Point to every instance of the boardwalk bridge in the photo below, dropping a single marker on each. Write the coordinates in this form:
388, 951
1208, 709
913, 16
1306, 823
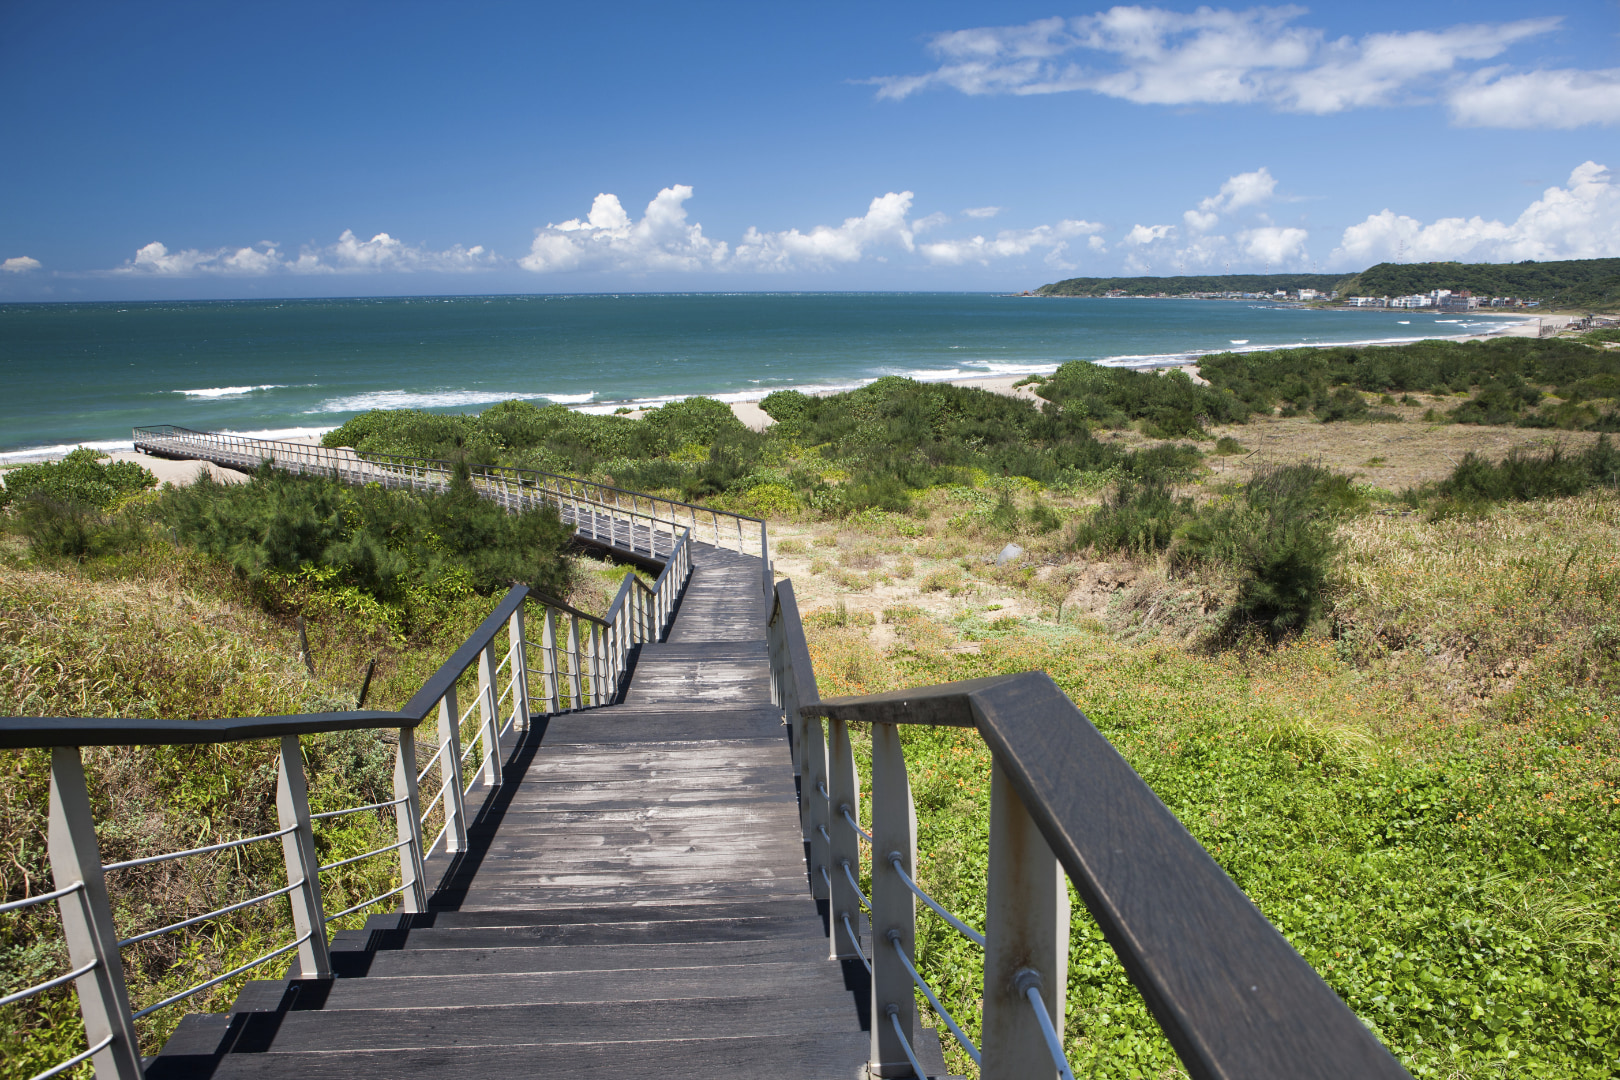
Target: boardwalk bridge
633, 845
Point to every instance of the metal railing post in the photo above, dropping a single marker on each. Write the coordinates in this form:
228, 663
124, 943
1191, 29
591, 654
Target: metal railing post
575, 683
303, 868
1026, 941
489, 709
765, 559
455, 814
812, 803
843, 789
894, 914
519, 674
599, 663
87, 922
408, 823
549, 680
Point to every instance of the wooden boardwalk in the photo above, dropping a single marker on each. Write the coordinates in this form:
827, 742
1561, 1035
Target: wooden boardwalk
634, 902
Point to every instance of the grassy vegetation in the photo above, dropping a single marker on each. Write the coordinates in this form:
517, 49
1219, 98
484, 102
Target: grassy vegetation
1422, 794
1555, 383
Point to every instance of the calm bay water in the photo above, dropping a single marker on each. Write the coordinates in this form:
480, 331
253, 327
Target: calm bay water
86, 373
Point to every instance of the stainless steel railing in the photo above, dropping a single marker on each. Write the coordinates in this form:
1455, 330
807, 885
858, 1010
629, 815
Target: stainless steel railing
580, 667
599, 513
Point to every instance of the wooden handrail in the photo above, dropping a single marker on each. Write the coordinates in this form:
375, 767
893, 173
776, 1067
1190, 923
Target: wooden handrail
1232, 995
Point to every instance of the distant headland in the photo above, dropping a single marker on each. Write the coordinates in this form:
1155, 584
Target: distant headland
1591, 284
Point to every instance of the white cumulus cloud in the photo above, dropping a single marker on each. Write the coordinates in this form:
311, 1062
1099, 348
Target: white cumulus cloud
1537, 99
1009, 243
1578, 221
884, 224
1196, 244
1244, 189
1148, 234
1259, 56
1274, 244
381, 254
19, 264
607, 239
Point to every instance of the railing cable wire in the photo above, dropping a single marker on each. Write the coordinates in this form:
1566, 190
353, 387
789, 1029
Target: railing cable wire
950, 1021
40, 988
855, 824
76, 1059
855, 940
194, 920
216, 980
1054, 1045
865, 903
367, 903
356, 809
961, 927
30, 901
197, 851
905, 1043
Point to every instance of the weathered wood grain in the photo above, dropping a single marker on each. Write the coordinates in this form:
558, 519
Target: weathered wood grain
634, 899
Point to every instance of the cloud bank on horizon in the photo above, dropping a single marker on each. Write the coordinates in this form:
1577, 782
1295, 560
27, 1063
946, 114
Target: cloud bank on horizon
1259, 56
1231, 227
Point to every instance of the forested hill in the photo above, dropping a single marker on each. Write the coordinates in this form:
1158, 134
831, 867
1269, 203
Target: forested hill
1574, 283
1175, 286
1570, 283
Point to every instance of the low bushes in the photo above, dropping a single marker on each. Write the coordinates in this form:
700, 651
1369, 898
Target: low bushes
1521, 475
78, 478
1276, 533
388, 543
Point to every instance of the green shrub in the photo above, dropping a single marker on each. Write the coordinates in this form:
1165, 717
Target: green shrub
1141, 518
1526, 475
1169, 406
74, 530
1510, 371
383, 541
80, 478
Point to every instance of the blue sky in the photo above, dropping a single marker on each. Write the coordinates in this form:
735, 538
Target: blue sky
208, 150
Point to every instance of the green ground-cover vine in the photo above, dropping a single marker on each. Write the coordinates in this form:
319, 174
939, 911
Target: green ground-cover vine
1457, 888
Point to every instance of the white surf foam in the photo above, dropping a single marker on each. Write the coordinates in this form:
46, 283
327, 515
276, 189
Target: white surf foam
48, 453
438, 399
229, 391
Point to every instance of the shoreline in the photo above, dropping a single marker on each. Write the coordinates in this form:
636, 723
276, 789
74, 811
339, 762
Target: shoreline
745, 404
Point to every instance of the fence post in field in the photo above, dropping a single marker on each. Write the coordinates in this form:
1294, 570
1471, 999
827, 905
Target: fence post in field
87, 923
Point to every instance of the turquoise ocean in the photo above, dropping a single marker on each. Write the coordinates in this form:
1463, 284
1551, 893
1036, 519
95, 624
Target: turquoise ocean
85, 373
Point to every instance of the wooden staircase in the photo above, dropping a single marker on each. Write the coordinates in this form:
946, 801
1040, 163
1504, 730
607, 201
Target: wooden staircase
634, 901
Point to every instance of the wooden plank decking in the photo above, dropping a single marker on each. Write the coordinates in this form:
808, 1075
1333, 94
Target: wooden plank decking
634, 902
